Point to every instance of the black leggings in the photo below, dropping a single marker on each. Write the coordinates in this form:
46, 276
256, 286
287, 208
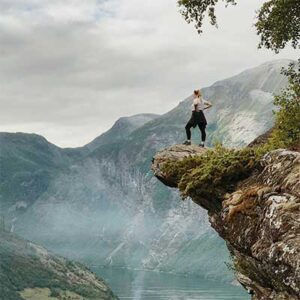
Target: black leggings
201, 126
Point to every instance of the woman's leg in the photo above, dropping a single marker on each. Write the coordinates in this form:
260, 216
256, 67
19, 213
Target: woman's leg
188, 127
202, 127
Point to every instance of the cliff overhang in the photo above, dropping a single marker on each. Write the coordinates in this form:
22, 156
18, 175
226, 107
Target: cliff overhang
258, 219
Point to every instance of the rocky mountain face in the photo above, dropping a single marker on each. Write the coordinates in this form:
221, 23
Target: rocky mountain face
29, 271
101, 204
259, 221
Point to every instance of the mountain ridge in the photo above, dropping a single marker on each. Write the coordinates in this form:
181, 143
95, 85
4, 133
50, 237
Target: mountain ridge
132, 221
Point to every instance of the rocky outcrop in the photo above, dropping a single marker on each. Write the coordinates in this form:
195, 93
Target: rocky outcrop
173, 154
260, 221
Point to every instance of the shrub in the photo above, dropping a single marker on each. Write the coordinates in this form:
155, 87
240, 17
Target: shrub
286, 133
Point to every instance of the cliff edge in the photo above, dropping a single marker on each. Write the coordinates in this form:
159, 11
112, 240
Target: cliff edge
257, 216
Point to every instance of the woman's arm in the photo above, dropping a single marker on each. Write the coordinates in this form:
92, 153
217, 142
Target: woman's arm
208, 104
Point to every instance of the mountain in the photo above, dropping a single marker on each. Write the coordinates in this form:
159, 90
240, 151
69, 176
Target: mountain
121, 129
28, 162
102, 205
29, 271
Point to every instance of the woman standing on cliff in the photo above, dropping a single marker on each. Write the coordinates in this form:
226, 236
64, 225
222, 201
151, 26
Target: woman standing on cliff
197, 118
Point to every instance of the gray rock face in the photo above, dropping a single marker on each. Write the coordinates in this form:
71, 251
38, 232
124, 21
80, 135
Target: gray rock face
260, 224
174, 153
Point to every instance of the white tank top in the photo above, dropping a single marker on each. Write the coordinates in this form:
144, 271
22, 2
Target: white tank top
200, 102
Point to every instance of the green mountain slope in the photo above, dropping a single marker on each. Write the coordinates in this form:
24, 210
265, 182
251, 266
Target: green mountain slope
28, 271
28, 162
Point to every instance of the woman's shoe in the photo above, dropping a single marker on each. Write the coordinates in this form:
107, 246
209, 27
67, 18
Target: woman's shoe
188, 143
201, 145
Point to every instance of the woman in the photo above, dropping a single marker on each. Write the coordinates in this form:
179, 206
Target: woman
198, 118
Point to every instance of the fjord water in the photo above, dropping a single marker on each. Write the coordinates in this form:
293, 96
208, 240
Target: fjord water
143, 285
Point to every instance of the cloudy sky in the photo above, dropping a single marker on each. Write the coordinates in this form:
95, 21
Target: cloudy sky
70, 68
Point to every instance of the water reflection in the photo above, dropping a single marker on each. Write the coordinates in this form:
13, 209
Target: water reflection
141, 285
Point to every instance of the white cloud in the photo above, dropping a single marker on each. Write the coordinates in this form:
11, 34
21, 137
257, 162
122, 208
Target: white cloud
76, 66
